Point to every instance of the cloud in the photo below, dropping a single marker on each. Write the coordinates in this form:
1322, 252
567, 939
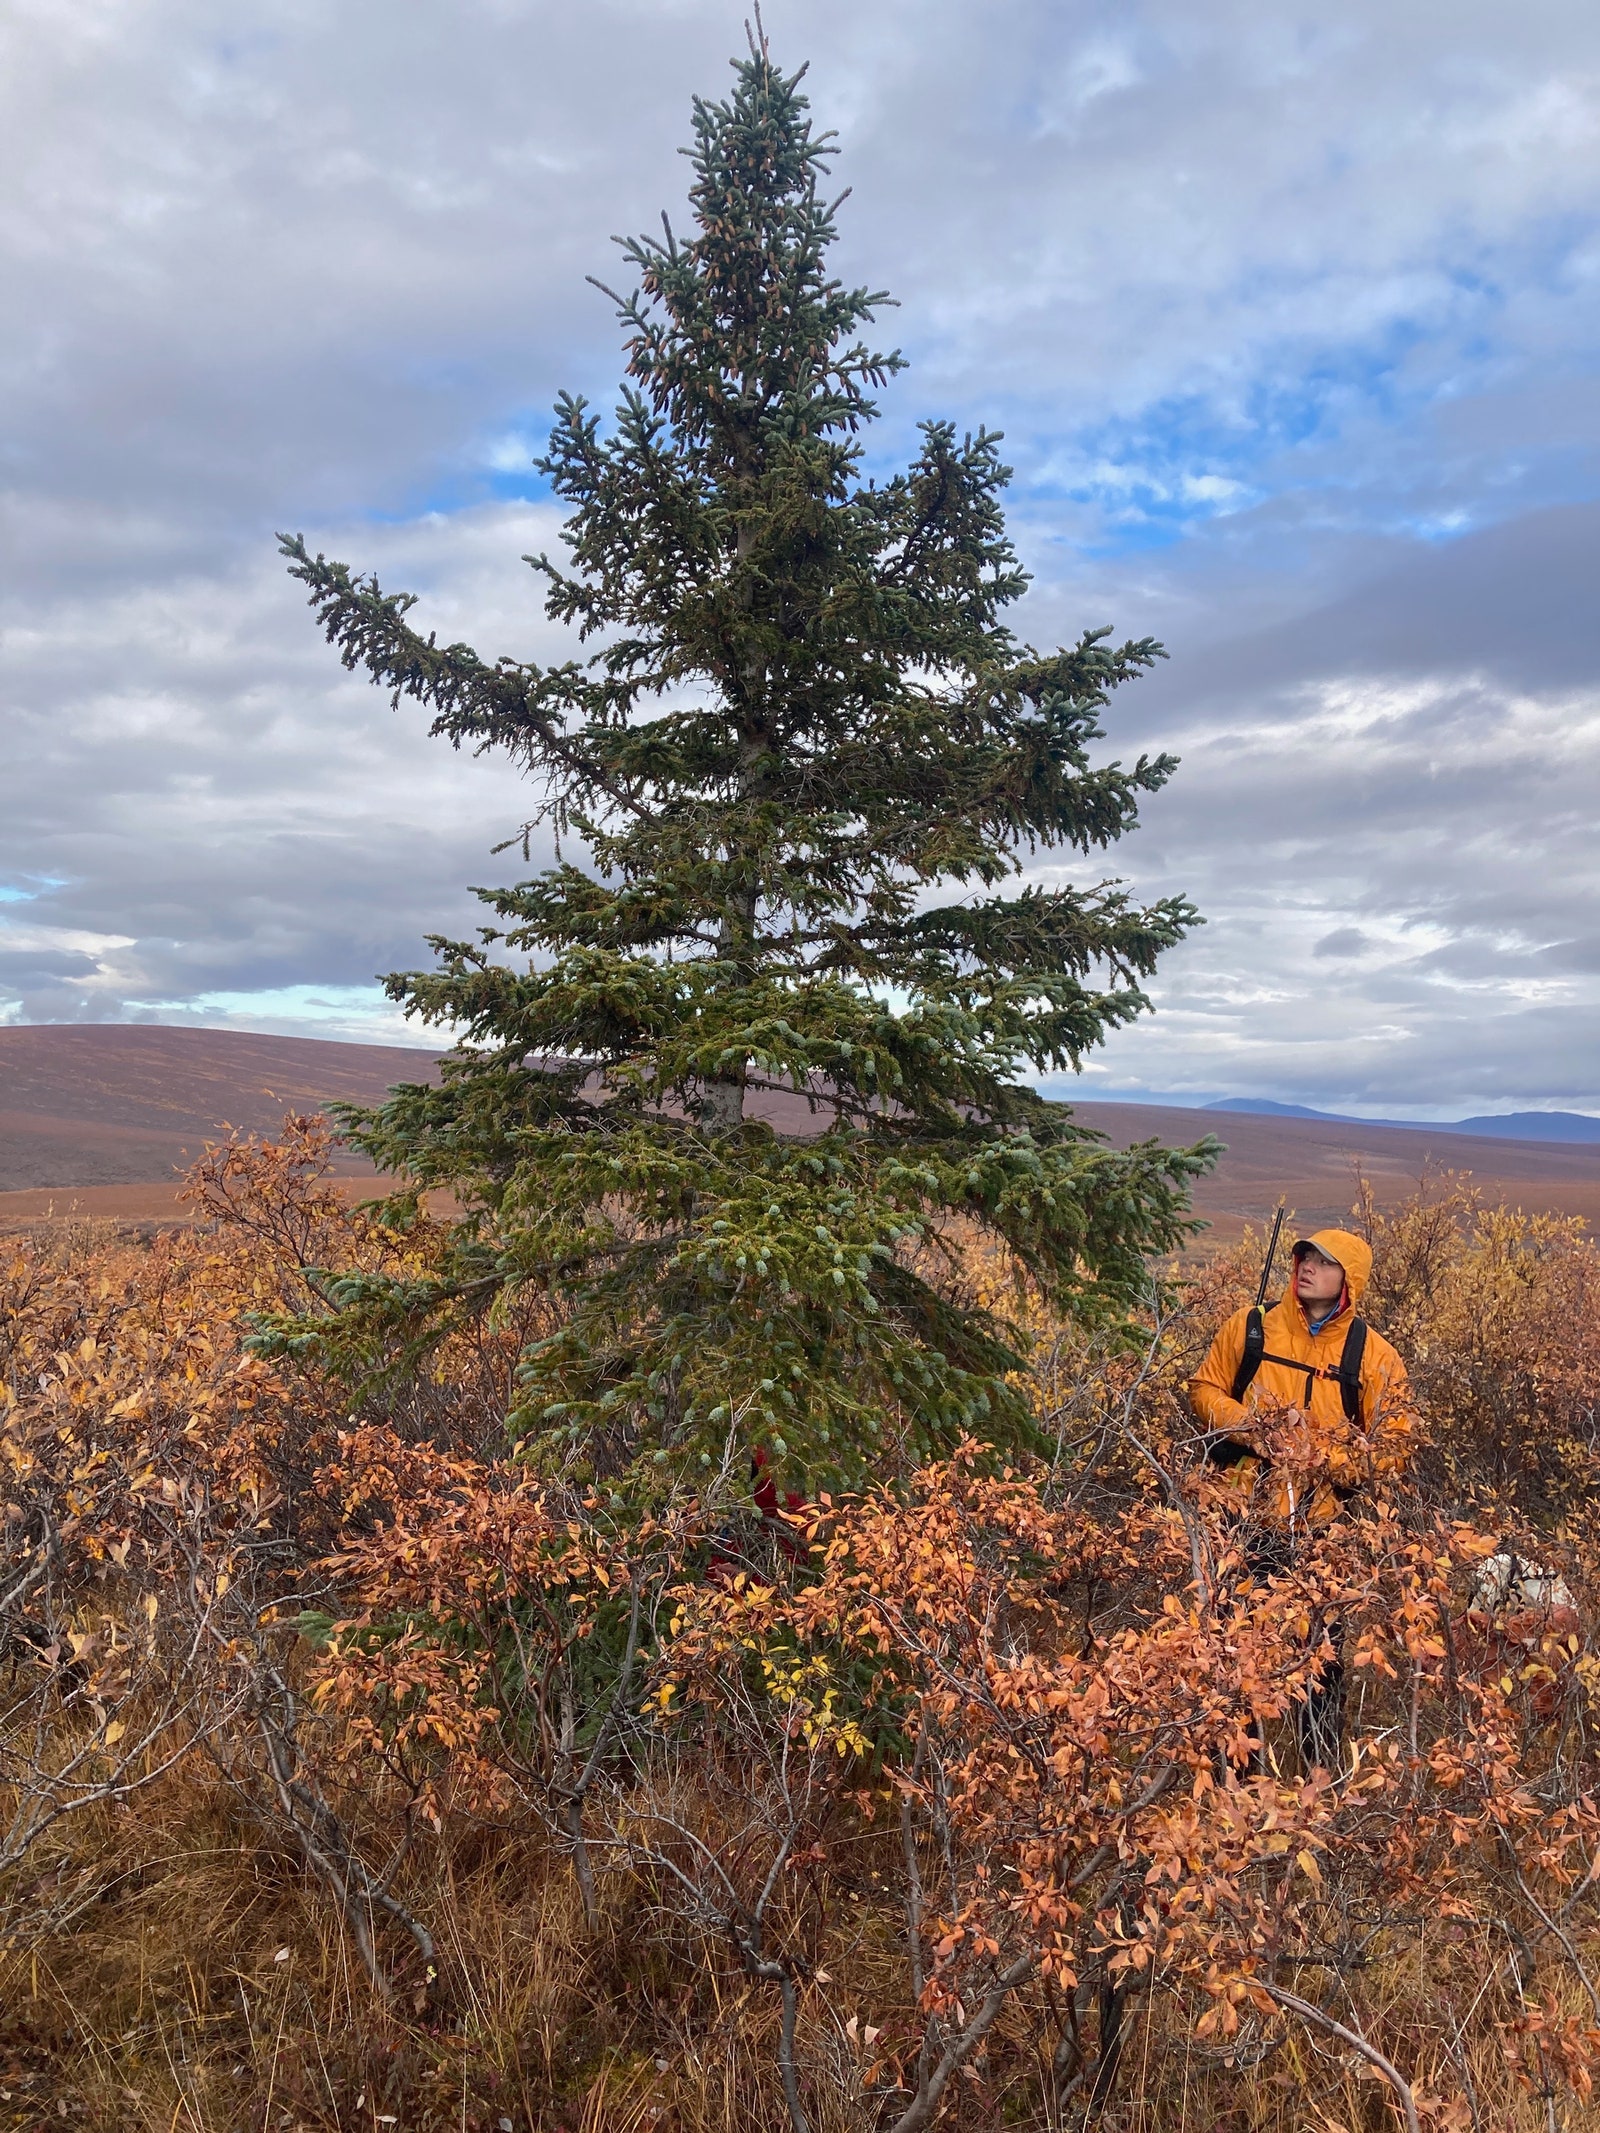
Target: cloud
1401, 877
1345, 941
1289, 316
196, 771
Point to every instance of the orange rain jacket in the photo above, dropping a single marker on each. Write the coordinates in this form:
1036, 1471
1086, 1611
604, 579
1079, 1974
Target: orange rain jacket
1379, 1444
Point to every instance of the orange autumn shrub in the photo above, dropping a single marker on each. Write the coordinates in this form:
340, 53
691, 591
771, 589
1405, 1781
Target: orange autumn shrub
1499, 1313
149, 1462
161, 1528
1100, 1791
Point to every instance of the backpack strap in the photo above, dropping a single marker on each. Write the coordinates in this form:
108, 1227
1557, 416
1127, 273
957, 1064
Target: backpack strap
1255, 1348
1222, 1450
1348, 1372
1355, 1348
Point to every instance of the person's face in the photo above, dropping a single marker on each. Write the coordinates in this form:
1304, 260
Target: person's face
1317, 1280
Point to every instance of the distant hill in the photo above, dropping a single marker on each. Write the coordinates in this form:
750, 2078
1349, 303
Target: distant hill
1534, 1126
1312, 1163
1570, 1126
103, 1118
1264, 1107
113, 1104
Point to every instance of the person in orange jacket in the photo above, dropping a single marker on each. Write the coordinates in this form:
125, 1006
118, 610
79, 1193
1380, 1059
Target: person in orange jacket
1312, 1353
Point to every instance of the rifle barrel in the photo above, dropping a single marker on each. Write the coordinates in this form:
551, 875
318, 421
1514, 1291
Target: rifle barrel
1272, 1253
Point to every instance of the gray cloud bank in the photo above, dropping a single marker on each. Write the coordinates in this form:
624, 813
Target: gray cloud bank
1290, 318
1387, 809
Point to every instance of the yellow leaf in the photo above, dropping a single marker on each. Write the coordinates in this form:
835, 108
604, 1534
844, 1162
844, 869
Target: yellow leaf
1307, 1863
115, 1731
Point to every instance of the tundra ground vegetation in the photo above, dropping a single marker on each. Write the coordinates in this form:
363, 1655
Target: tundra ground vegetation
353, 1772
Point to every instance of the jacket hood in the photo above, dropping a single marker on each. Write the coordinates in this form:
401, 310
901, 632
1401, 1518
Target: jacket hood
1353, 1253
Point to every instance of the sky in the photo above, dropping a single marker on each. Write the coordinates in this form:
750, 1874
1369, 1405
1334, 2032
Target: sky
1291, 318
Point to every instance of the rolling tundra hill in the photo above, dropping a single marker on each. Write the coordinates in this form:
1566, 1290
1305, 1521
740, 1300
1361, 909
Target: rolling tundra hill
1500, 1125
110, 1107
1312, 1163
102, 1119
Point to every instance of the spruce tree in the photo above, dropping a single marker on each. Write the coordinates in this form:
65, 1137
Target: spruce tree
789, 781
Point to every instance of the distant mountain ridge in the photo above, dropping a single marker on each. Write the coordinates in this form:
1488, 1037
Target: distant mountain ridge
1565, 1126
1264, 1107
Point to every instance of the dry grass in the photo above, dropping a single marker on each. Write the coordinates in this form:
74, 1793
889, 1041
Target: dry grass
211, 1990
